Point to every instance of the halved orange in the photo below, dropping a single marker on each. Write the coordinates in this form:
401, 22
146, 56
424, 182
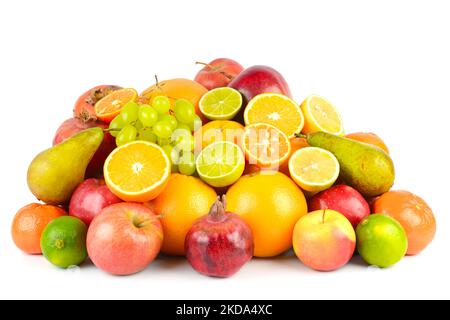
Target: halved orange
277, 110
107, 108
265, 145
137, 171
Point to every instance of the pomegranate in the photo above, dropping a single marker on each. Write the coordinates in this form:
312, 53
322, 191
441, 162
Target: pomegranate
220, 243
71, 127
84, 107
89, 198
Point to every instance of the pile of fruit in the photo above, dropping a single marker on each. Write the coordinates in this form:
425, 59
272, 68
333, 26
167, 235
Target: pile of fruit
219, 169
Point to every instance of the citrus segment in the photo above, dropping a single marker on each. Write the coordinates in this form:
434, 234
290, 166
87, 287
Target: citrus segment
265, 145
220, 103
314, 169
107, 108
220, 164
137, 171
277, 110
321, 115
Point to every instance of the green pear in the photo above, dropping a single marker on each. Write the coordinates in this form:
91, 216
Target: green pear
367, 168
54, 173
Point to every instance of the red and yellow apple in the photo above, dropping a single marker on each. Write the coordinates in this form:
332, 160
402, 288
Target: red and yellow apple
124, 238
324, 240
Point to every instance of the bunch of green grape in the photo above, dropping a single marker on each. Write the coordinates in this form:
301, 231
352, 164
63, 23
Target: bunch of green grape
156, 123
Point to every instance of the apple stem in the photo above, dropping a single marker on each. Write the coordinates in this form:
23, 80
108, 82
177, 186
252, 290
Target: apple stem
323, 215
227, 75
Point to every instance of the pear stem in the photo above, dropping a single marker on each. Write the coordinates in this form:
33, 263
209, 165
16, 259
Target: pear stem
300, 135
227, 75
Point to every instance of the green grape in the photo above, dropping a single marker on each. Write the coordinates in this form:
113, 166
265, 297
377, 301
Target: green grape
196, 124
161, 104
184, 143
173, 155
116, 123
182, 126
163, 141
129, 112
171, 119
147, 134
187, 164
138, 125
184, 111
147, 115
163, 129
127, 134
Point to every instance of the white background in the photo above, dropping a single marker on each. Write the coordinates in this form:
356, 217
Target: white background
384, 64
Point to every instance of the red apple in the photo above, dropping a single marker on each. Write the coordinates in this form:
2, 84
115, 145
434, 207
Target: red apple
84, 106
324, 240
343, 199
89, 198
71, 127
218, 73
220, 243
124, 238
260, 79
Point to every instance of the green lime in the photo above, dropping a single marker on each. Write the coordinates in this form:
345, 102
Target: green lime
381, 240
63, 242
221, 103
220, 164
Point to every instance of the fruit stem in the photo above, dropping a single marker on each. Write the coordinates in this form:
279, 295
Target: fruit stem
300, 135
111, 129
218, 208
227, 75
323, 215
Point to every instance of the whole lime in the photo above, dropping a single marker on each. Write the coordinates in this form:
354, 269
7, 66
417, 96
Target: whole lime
381, 240
63, 241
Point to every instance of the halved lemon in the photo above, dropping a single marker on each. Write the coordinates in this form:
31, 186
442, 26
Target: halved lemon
314, 169
220, 164
321, 115
220, 103
265, 145
277, 110
137, 171
107, 108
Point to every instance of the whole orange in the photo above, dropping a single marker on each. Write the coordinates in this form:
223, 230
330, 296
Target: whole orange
271, 204
370, 138
219, 130
296, 143
184, 200
28, 224
414, 215
176, 89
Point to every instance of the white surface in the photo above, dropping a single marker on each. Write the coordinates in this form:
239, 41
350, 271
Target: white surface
385, 65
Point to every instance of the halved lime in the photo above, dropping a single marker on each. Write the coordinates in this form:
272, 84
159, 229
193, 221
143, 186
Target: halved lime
220, 103
220, 164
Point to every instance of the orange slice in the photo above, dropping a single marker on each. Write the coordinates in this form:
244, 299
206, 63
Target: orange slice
137, 171
277, 110
107, 108
265, 145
